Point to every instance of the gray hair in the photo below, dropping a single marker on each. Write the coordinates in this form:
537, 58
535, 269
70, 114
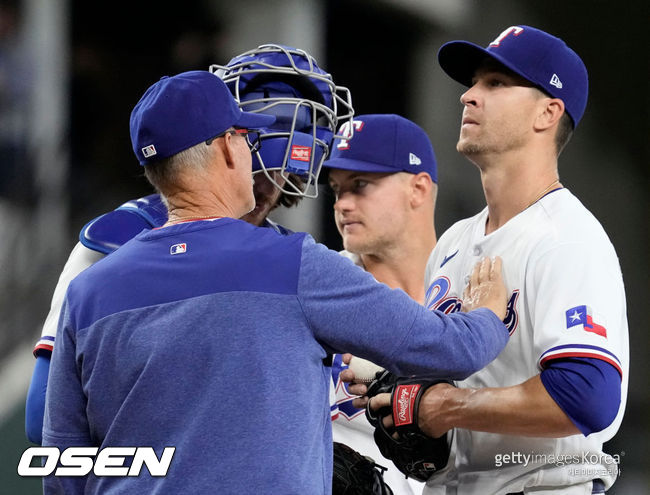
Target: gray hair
166, 175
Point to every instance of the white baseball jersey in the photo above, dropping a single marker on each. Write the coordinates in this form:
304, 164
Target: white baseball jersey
566, 299
80, 258
353, 429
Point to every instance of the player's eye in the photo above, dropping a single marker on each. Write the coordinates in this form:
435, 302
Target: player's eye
359, 184
496, 82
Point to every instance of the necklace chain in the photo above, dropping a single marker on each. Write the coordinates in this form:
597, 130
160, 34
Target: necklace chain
541, 195
188, 219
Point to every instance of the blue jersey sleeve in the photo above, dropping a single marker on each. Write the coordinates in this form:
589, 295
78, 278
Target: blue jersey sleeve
65, 419
349, 311
588, 390
35, 403
65, 423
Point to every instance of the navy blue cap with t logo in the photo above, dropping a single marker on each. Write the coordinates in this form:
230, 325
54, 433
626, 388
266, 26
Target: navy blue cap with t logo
538, 57
384, 143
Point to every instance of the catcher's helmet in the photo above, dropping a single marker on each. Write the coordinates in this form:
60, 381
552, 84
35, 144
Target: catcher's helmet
286, 82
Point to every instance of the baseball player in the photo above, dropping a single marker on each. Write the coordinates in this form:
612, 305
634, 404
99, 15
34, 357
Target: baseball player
385, 184
535, 419
209, 288
271, 79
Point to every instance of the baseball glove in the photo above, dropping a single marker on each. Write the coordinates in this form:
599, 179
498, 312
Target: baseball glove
355, 474
415, 454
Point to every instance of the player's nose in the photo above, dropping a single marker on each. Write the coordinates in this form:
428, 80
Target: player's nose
470, 97
344, 202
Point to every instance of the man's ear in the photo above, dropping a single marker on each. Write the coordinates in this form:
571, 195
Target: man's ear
228, 149
421, 185
551, 111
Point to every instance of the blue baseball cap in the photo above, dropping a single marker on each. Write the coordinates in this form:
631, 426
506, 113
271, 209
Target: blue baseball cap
542, 59
383, 143
179, 112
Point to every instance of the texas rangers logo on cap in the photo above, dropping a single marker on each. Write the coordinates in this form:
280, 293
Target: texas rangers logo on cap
514, 30
348, 131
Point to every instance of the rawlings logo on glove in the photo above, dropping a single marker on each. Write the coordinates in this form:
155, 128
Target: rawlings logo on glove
415, 454
403, 413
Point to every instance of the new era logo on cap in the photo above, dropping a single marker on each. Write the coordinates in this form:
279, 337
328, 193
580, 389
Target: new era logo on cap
414, 160
555, 81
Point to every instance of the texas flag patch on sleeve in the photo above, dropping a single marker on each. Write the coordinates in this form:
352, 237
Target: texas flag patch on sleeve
582, 315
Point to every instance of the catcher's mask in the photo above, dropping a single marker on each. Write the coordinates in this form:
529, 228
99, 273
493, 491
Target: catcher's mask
286, 82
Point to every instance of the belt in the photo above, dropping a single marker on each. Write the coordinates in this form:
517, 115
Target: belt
599, 487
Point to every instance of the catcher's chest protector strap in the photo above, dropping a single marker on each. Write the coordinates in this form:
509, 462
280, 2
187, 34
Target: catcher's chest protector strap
109, 231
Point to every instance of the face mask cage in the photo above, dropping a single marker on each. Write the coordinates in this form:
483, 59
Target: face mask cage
308, 106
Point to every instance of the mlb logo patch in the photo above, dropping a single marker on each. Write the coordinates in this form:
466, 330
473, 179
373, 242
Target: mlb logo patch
148, 151
178, 248
582, 315
301, 153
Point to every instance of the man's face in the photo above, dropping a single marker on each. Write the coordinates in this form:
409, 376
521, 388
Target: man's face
499, 111
266, 196
370, 209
